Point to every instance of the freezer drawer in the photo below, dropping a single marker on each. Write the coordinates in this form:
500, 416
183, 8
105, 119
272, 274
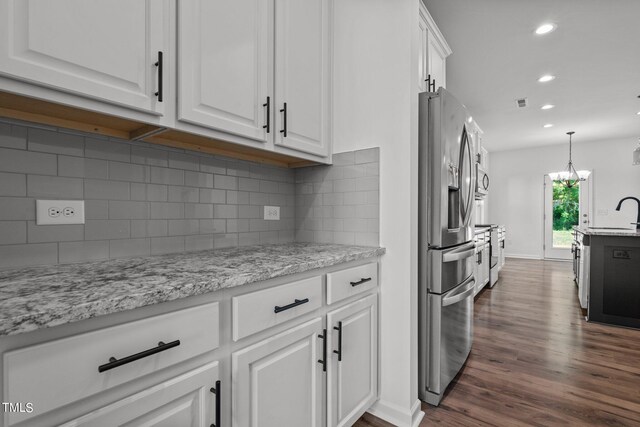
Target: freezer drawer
450, 337
450, 267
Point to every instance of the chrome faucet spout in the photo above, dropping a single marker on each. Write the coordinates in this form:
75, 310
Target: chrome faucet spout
637, 201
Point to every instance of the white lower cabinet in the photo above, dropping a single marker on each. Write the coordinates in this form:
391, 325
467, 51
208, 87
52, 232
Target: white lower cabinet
352, 369
278, 382
265, 355
186, 401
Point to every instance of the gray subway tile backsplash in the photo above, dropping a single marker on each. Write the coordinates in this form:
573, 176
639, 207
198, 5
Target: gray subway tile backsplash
55, 142
340, 203
143, 199
21, 161
13, 136
83, 251
13, 184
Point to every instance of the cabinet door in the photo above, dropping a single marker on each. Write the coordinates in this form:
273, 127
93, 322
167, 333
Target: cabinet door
186, 400
422, 53
486, 265
302, 46
436, 60
224, 68
278, 382
352, 380
478, 271
106, 50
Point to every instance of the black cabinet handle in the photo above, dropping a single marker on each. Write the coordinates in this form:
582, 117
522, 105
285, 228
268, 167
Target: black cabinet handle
479, 258
431, 83
159, 65
114, 363
360, 282
268, 105
323, 361
216, 390
284, 110
295, 303
339, 350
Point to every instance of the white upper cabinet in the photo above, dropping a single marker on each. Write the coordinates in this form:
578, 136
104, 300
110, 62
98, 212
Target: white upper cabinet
257, 69
104, 50
224, 68
302, 46
433, 53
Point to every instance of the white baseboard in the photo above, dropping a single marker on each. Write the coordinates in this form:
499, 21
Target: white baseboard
523, 256
396, 415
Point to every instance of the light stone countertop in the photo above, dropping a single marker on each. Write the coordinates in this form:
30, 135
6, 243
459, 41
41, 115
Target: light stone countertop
40, 297
631, 232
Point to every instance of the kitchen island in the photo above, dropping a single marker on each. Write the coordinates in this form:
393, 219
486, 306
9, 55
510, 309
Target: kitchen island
611, 260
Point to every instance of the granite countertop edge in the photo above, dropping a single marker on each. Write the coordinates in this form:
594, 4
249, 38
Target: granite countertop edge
607, 232
22, 311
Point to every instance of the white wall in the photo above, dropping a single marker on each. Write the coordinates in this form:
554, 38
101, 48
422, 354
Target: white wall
517, 193
375, 105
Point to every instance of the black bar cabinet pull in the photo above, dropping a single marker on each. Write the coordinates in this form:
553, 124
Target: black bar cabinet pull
284, 110
339, 350
323, 361
159, 65
433, 84
114, 363
268, 105
360, 282
216, 390
295, 303
428, 80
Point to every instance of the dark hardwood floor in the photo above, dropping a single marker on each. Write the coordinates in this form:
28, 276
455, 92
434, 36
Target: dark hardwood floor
536, 361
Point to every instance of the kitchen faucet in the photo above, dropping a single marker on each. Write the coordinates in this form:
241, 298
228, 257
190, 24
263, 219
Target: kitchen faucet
637, 200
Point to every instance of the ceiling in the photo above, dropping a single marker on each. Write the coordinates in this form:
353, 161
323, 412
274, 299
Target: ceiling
594, 54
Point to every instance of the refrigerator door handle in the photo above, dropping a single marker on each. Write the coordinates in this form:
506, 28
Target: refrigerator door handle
464, 251
466, 290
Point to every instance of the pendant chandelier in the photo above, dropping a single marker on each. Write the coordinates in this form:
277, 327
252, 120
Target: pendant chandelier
569, 176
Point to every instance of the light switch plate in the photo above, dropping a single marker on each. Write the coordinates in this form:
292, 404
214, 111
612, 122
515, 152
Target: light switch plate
272, 213
55, 212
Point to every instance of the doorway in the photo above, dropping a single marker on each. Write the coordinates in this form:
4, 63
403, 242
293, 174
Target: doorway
564, 208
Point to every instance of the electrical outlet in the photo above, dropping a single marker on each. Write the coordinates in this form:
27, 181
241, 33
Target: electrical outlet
53, 212
272, 213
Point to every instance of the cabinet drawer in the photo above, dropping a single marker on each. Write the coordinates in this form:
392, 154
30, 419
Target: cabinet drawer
260, 310
181, 401
60, 372
342, 284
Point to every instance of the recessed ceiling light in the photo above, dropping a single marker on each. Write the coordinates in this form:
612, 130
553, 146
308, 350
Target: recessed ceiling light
546, 78
548, 125
545, 28
638, 113
547, 107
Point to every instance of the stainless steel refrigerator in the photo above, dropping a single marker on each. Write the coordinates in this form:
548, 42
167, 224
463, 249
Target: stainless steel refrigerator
446, 246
